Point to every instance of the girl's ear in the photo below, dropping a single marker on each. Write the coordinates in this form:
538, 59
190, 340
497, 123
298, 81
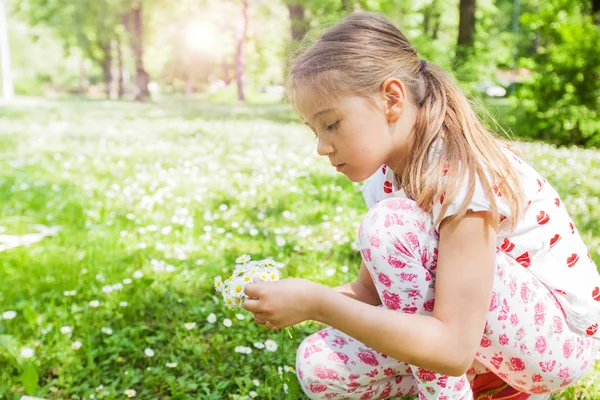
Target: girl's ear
394, 95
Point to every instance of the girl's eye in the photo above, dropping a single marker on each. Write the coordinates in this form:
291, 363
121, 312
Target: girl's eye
332, 126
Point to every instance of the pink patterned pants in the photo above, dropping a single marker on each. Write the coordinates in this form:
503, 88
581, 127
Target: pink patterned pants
526, 340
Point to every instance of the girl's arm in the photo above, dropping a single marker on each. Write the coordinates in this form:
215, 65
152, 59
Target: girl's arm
362, 289
447, 341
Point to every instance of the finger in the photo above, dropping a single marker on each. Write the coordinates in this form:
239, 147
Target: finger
256, 278
259, 321
252, 290
252, 305
270, 325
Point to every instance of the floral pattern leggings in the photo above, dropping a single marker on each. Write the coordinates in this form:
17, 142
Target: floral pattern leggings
526, 340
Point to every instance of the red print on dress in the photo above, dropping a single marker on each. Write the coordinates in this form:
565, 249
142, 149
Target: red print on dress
592, 329
596, 293
554, 240
524, 260
542, 218
572, 260
387, 187
507, 246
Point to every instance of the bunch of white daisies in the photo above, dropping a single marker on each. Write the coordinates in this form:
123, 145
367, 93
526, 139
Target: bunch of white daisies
232, 288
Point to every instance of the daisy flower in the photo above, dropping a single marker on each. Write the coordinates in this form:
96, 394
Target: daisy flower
149, 352
26, 352
9, 315
212, 318
130, 393
65, 330
243, 259
271, 345
259, 345
189, 325
106, 330
94, 303
76, 345
219, 284
171, 364
227, 322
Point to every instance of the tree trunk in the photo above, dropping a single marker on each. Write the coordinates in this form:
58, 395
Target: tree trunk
120, 84
297, 21
240, 62
596, 11
466, 30
8, 90
133, 24
84, 82
106, 64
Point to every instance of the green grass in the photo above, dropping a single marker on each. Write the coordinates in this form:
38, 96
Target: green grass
175, 191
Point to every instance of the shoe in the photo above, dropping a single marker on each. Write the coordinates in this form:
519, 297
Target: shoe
490, 386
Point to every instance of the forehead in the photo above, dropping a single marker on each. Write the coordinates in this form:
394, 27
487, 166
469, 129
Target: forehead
309, 101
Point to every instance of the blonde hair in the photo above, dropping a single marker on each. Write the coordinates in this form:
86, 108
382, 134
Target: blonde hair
356, 56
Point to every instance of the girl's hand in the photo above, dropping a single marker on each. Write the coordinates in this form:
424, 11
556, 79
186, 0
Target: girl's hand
279, 304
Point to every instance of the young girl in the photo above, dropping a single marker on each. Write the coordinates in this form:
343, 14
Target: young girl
471, 262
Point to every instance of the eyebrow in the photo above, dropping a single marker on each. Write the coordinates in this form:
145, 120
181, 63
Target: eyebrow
326, 110
323, 111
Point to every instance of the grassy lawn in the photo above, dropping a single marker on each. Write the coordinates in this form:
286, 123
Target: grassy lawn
116, 217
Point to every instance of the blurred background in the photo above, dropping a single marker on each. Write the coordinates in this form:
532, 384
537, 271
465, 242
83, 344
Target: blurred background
542, 54
145, 145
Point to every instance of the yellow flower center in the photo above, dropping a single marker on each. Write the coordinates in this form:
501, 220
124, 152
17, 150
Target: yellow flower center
238, 288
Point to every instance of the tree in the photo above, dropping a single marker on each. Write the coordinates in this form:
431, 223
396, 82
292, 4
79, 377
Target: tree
133, 22
240, 61
87, 24
466, 31
8, 90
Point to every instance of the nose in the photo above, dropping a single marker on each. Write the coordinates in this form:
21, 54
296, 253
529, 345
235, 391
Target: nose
324, 147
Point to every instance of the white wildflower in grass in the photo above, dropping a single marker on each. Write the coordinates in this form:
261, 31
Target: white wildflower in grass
130, 393
259, 345
94, 303
287, 368
241, 317
138, 274
106, 330
227, 322
189, 325
149, 352
76, 345
9, 315
252, 394
99, 388
65, 330
26, 352
256, 382
171, 364
285, 388
232, 289
127, 281
212, 318
107, 289
123, 304
243, 349
70, 292
271, 345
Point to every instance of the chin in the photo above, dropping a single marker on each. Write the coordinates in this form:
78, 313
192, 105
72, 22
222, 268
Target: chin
358, 176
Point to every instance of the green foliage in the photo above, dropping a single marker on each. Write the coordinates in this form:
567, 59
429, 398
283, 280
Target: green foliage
560, 102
